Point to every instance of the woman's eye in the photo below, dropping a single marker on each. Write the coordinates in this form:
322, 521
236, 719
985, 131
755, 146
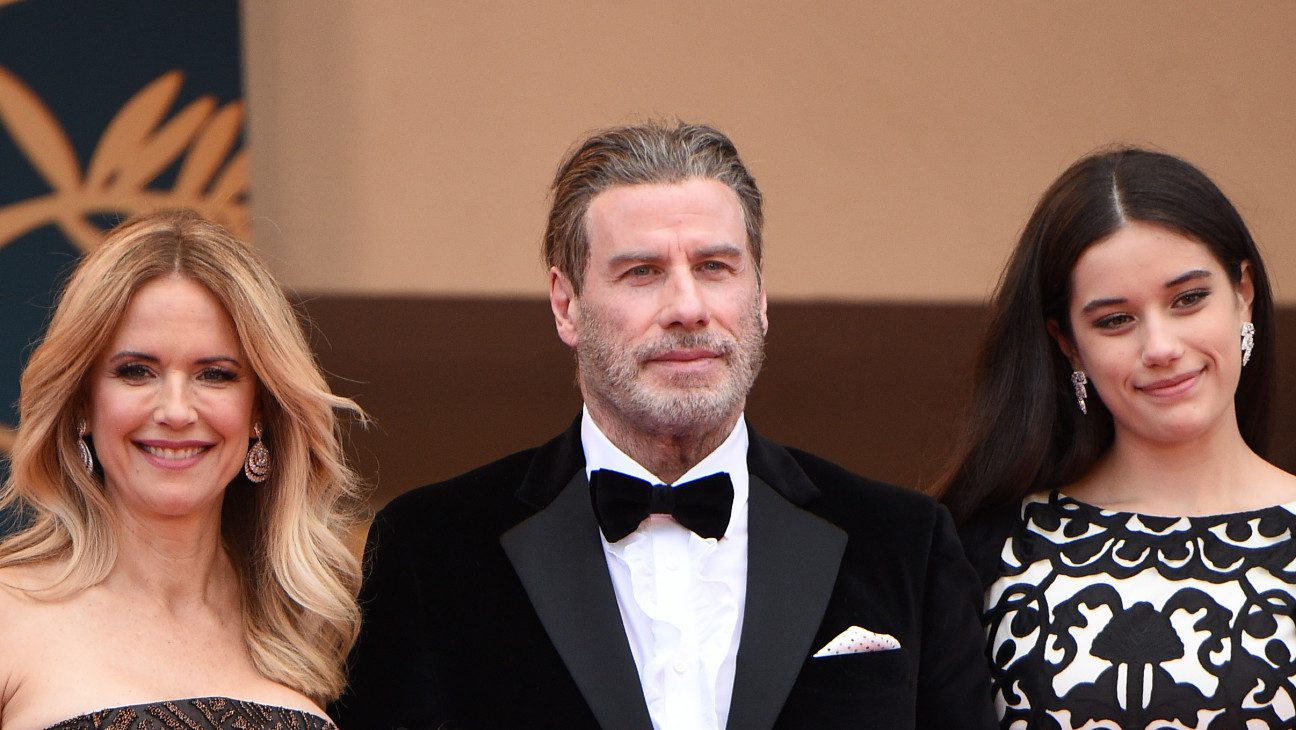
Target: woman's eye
1189, 298
1113, 321
218, 375
131, 371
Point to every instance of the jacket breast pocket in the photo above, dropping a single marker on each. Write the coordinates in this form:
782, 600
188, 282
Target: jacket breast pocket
872, 689
888, 668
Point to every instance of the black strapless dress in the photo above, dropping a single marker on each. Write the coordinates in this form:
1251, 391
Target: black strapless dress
204, 713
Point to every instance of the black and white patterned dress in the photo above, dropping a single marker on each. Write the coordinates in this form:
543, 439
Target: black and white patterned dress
1102, 619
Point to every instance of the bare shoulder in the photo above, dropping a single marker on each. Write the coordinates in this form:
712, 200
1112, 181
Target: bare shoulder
23, 584
16, 585
19, 612
25, 614
20, 592
1279, 485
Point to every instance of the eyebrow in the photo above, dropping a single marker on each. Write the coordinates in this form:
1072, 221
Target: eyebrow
634, 257
1188, 276
648, 257
1178, 280
719, 249
136, 355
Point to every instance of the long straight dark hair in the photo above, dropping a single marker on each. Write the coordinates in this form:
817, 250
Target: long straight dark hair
1023, 432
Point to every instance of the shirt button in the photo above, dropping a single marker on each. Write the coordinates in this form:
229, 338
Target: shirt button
680, 667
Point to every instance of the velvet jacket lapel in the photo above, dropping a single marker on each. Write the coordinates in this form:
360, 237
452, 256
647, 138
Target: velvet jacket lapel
792, 563
559, 559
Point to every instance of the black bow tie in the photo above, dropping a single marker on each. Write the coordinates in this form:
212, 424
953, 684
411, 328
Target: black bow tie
621, 502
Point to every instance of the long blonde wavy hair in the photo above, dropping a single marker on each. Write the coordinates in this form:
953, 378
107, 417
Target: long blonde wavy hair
287, 536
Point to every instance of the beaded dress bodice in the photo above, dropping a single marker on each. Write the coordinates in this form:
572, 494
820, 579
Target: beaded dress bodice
205, 713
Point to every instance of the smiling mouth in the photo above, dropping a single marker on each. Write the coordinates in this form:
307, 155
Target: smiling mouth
1172, 386
172, 454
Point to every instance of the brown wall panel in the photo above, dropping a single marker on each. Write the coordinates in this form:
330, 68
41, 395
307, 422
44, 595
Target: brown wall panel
454, 383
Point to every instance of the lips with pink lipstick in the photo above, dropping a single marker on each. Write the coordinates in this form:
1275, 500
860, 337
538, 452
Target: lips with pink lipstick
172, 454
1172, 386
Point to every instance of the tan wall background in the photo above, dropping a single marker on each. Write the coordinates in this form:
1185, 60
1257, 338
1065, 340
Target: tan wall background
402, 151
404, 147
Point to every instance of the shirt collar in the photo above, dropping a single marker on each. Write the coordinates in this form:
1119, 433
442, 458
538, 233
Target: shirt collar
730, 456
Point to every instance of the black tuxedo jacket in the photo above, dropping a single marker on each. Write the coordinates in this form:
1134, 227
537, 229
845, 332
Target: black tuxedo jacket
488, 604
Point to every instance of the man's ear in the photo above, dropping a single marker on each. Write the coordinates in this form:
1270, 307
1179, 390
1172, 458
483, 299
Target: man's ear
566, 310
1065, 344
764, 312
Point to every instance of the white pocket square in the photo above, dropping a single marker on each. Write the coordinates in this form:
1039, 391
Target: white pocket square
856, 640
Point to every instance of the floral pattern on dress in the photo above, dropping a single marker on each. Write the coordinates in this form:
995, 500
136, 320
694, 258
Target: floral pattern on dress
1115, 620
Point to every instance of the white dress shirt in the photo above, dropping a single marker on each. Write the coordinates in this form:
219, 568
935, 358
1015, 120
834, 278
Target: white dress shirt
681, 596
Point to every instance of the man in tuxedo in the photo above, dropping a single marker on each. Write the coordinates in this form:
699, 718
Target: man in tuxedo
660, 564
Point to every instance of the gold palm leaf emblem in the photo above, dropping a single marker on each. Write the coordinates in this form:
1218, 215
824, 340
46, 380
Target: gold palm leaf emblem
135, 148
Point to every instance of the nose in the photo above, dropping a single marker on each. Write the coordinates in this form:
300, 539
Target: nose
1161, 345
175, 406
684, 303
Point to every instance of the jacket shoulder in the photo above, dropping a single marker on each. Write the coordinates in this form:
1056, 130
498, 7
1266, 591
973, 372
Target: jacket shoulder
483, 488
840, 485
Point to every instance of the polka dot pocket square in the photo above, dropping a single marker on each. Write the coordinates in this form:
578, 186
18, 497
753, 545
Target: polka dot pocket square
856, 640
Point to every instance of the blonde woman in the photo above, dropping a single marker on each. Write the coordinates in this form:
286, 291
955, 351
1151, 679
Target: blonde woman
185, 500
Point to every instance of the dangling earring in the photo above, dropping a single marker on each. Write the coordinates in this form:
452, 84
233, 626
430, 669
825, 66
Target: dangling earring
1079, 379
86, 457
257, 466
1248, 342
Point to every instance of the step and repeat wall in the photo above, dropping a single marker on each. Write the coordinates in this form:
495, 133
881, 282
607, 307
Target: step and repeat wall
107, 109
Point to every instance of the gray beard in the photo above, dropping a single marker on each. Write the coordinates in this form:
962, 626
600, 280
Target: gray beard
612, 374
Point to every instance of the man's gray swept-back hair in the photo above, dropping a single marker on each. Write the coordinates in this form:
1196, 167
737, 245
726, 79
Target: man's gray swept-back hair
649, 153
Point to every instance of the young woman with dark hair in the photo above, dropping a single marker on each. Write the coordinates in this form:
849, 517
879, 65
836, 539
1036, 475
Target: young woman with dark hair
1136, 549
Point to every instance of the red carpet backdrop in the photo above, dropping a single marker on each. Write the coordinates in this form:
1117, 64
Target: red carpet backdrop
107, 109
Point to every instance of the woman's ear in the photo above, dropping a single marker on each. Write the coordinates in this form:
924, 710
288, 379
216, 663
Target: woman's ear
1065, 344
256, 409
1245, 289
